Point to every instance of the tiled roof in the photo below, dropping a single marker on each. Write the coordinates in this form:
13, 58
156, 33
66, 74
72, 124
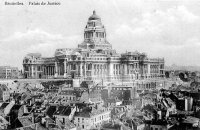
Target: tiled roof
159, 122
63, 110
3, 120
25, 120
69, 124
67, 92
50, 111
28, 128
40, 127
4, 105
3, 87
89, 111
16, 107
150, 108
111, 126
137, 121
111, 100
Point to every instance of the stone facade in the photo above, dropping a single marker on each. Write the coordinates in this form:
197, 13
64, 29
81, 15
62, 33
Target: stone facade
93, 60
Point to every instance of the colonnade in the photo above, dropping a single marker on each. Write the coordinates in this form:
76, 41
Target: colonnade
68, 67
49, 70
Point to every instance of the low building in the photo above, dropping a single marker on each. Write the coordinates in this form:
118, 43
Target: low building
148, 98
8, 72
134, 123
68, 95
110, 126
157, 125
4, 93
91, 117
64, 114
3, 123
122, 92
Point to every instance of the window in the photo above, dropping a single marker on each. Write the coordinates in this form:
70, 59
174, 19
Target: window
78, 119
83, 126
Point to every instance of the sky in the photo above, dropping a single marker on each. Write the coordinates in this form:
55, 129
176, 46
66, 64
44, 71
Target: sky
167, 29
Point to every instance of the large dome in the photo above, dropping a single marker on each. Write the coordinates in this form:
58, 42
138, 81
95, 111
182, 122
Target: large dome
94, 16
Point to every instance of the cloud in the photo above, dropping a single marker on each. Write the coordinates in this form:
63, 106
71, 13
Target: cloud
172, 33
28, 39
160, 23
16, 46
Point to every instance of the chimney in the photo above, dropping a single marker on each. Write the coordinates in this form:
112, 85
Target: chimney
47, 123
32, 115
159, 114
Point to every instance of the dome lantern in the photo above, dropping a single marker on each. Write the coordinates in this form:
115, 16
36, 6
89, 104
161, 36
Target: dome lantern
94, 16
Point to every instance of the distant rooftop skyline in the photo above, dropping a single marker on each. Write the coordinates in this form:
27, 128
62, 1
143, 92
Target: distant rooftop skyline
169, 29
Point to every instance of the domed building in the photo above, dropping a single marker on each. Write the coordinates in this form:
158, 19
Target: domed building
94, 60
95, 35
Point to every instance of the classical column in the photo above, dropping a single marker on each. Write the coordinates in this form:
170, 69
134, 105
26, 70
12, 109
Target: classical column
29, 71
65, 69
110, 71
32, 76
69, 68
44, 73
53, 71
81, 69
56, 70
48, 71
85, 66
101, 70
36, 69
149, 69
51, 68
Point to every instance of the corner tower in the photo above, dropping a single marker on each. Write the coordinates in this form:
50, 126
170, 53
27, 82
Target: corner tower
95, 34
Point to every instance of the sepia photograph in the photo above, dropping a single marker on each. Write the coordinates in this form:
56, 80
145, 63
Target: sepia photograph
99, 65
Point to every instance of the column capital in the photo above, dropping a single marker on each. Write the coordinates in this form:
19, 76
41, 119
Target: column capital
65, 68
